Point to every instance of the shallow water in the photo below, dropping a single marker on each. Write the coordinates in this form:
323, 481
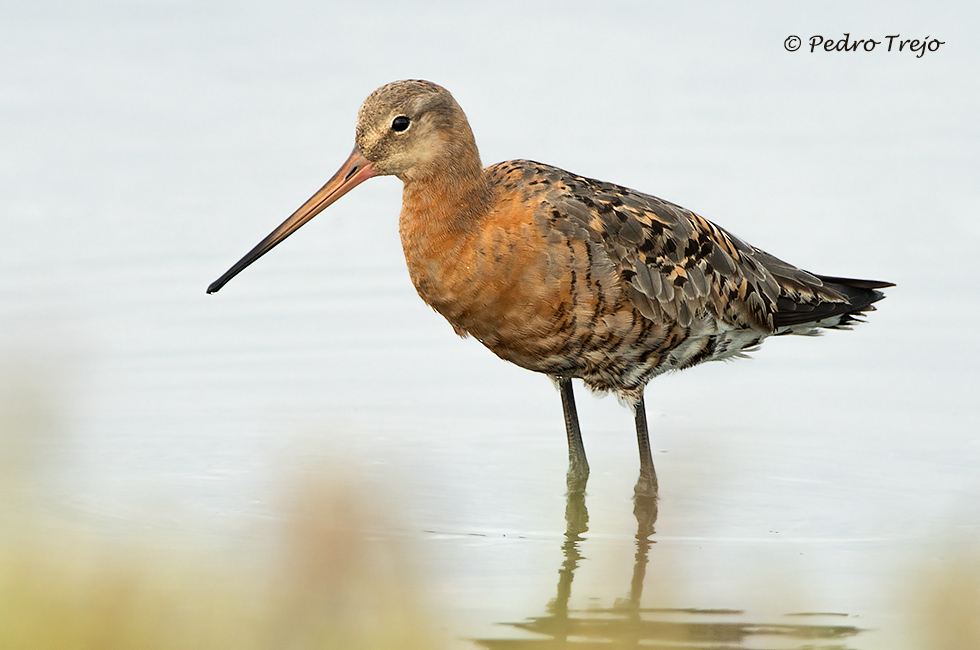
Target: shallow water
148, 148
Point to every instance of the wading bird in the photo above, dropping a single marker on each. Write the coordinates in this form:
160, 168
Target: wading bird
565, 275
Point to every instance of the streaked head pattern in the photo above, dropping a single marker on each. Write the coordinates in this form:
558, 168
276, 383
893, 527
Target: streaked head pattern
412, 129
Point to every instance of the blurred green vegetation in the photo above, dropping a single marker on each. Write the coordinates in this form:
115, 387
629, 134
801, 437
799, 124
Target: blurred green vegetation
327, 587
324, 585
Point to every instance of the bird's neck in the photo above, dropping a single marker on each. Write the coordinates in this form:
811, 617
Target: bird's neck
447, 200
440, 222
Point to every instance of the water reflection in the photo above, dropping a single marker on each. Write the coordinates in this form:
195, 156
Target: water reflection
577, 523
627, 625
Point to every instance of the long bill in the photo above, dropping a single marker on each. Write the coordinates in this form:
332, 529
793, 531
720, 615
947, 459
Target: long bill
352, 173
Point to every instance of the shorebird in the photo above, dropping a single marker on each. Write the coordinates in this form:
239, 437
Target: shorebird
565, 275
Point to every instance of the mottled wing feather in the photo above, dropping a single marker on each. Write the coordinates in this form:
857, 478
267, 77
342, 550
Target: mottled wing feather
677, 265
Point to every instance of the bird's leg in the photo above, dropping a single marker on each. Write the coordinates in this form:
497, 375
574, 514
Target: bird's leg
578, 466
646, 485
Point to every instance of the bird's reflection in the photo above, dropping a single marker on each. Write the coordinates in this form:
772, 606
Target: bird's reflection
576, 524
628, 625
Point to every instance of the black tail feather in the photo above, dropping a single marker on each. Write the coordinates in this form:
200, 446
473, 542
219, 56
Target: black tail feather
858, 296
858, 284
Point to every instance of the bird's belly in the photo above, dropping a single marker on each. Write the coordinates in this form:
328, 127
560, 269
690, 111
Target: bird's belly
599, 337
621, 354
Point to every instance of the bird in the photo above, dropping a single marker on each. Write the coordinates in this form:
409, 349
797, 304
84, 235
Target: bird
565, 275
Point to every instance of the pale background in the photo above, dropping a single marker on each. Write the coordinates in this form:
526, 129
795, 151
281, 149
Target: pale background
144, 147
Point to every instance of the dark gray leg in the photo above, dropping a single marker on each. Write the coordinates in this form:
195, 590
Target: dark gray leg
578, 466
646, 485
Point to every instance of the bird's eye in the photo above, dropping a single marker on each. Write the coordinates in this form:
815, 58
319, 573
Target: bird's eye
400, 123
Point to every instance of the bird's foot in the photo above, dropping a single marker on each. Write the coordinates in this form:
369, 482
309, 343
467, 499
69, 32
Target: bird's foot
577, 477
645, 503
646, 487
